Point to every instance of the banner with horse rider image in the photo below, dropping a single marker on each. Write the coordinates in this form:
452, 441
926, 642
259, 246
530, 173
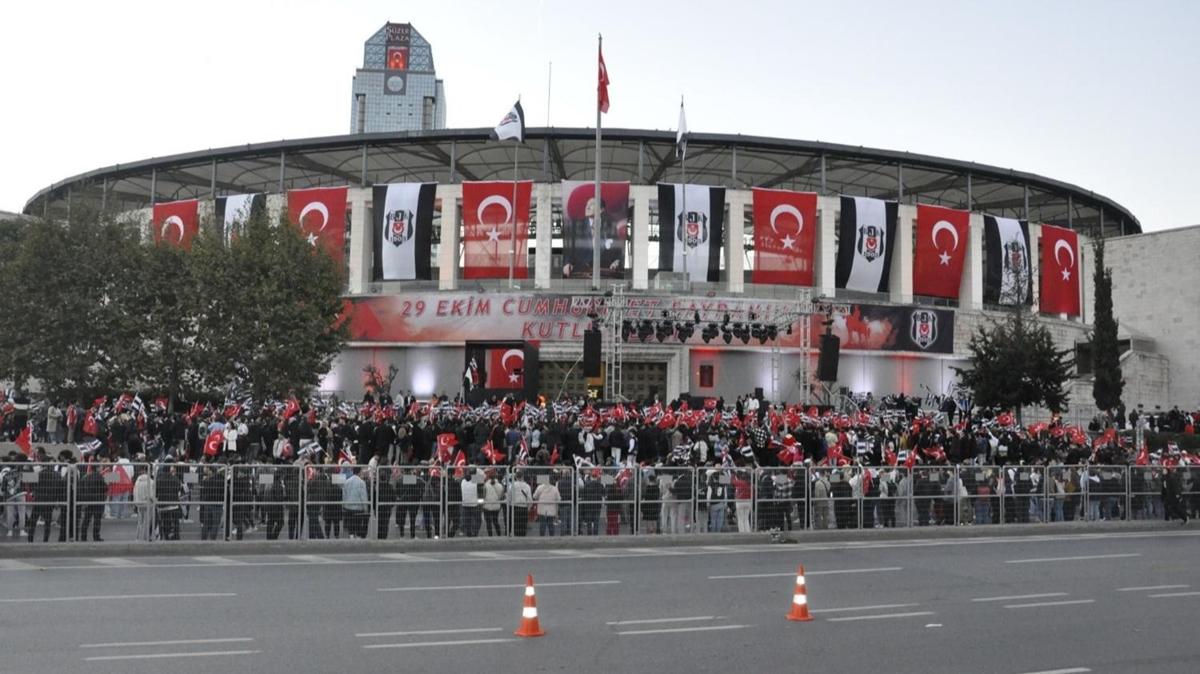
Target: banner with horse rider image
1007, 279
871, 327
691, 221
403, 219
579, 226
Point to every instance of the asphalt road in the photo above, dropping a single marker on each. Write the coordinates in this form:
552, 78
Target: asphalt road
1121, 602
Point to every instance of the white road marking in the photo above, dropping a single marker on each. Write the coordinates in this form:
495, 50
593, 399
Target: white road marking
173, 642
429, 588
116, 561
314, 559
1174, 594
677, 630
219, 561
566, 553
154, 656
457, 630
1148, 588
934, 625
880, 616
1070, 670
828, 572
14, 565
652, 621
1040, 604
489, 555
1022, 596
191, 595
1073, 559
862, 608
402, 557
419, 644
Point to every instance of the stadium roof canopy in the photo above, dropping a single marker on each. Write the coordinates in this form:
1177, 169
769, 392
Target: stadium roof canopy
552, 154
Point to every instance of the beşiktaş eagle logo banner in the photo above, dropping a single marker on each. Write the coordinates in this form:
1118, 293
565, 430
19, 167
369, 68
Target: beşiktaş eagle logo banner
1007, 279
866, 237
943, 236
234, 210
692, 221
785, 225
403, 215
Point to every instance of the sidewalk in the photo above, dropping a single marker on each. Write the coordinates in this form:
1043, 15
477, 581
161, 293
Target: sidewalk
867, 536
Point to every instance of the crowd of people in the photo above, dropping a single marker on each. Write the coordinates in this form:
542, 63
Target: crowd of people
320, 469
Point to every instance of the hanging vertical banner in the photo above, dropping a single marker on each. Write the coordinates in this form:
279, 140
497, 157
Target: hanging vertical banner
866, 237
320, 213
579, 222
1059, 289
1007, 279
176, 223
403, 218
234, 210
943, 236
699, 231
785, 224
488, 222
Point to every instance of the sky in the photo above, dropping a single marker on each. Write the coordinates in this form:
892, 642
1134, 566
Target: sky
1100, 94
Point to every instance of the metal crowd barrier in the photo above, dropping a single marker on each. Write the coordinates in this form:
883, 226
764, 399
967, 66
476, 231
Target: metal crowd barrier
218, 502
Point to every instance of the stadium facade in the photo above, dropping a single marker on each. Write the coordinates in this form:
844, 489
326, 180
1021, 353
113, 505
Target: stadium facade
425, 325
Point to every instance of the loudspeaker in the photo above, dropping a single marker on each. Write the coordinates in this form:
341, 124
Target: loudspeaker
758, 392
591, 353
827, 364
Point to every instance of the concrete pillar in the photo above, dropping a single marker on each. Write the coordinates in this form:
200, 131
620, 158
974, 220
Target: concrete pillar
544, 252
970, 294
901, 279
1035, 263
735, 256
1087, 282
359, 272
641, 196
826, 247
449, 195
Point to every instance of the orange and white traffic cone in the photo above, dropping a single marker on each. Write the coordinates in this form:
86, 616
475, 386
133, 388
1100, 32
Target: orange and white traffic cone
799, 599
529, 615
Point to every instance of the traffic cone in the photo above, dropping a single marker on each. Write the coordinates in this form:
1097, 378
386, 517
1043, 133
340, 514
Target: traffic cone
529, 616
799, 599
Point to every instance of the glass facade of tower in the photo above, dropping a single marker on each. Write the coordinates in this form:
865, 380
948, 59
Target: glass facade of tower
397, 88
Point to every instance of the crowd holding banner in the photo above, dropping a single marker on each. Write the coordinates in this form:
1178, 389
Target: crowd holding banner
446, 440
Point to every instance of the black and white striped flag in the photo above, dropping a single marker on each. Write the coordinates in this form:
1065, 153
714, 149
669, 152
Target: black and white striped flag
1007, 279
699, 231
512, 126
403, 214
234, 210
866, 238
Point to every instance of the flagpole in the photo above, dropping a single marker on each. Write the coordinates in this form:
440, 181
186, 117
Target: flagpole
597, 212
512, 238
683, 205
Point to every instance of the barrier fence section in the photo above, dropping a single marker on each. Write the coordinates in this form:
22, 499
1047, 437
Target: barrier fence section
44, 502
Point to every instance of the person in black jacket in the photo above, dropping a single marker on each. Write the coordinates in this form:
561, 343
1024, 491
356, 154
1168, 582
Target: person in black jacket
167, 492
47, 490
408, 492
92, 492
212, 500
386, 501
591, 502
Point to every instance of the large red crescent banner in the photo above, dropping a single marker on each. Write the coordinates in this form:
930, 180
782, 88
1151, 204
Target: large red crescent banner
1060, 271
320, 213
176, 223
505, 369
488, 214
785, 223
943, 235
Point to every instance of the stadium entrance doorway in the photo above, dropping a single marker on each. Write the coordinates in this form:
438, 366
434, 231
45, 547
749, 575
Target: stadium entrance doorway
641, 380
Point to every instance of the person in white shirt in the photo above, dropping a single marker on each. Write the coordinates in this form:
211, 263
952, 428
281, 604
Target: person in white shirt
470, 504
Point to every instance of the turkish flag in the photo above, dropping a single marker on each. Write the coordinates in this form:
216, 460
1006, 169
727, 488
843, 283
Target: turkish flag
445, 445
23, 441
943, 235
785, 225
488, 214
320, 213
505, 369
1060, 271
602, 86
214, 443
176, 223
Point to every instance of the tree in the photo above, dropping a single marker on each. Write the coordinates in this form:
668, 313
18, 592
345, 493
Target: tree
270, 309
167, 299
67, 306
1106, 356
1014, 363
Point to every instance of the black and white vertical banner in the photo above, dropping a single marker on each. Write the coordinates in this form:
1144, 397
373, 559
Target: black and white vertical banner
403, 217
1008, 279
866, 239
698, 231
234, 210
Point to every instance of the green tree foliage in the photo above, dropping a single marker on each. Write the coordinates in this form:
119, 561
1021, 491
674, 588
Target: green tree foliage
1108, 384
1014, 363
91, 309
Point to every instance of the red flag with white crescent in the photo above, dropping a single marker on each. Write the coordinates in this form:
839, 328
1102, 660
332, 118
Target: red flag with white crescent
320, 213
488, 221
602, 83
505, 369
24, 441
214, 443
943, 236
785, 225
176, 223
1060, 271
